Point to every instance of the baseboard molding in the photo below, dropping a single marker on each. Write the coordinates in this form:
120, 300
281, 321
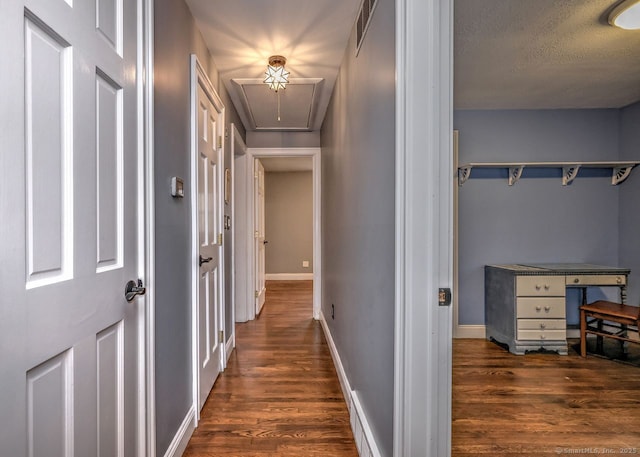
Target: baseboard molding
470, 331
288, 276
342, 376
362, 432
229, 345
181, 439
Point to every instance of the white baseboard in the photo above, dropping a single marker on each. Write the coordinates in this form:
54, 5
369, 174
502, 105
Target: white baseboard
288, 276
180, 441
362, 432
342, 376
470, 331
229, 345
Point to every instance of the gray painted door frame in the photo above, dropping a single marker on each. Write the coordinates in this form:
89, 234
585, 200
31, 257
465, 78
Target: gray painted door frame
424, 227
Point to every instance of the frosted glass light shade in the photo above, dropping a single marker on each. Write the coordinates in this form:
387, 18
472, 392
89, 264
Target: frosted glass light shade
626, 15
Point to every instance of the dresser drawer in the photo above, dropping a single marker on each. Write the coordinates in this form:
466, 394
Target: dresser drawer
542, 335
542, 324
596, 280
527, 286
541, 308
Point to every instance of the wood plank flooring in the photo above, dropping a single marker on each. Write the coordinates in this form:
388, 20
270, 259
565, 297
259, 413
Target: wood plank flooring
279, 395
542, 404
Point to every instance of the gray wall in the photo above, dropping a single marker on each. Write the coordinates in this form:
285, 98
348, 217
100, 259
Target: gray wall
175, 39
283, 139
536, 219
289, 221
630, 200
358, 214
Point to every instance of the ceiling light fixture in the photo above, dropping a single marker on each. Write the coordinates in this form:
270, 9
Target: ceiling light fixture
276, 76
626, 15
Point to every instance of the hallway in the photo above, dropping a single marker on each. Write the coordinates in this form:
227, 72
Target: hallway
279, 395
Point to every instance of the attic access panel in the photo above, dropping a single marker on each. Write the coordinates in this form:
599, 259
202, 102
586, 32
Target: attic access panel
298, 103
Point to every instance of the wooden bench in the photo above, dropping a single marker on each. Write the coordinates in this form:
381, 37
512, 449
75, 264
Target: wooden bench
619, 318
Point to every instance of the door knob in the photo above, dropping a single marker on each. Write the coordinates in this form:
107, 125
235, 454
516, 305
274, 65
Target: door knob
205, 260
132, 289
265, 242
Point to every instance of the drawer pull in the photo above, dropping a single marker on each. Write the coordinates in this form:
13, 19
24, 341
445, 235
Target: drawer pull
619, 280
576, 280
546, 287
538, 287
542, 337
543, 326
547, 308
538, 308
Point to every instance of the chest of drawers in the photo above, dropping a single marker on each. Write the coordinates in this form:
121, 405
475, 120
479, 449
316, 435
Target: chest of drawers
525, 305
527, 313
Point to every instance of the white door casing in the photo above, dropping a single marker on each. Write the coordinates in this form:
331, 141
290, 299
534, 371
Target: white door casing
208, 201
68, 231
259, 235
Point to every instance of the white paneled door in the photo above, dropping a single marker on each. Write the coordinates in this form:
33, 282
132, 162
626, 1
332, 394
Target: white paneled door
261, 289
68, 230
209, 221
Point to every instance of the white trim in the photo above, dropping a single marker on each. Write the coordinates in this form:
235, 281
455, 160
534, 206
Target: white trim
342, 375
199, 78
229, 345
235, 136
423, 263
146, 366
470, 331
362, 432
289, 276
181, 439
256, 153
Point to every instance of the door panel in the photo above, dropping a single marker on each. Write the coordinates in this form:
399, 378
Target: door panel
209, 287
261, 289
68, 236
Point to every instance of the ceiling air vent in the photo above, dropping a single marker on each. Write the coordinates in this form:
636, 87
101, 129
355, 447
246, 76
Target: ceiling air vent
362, 24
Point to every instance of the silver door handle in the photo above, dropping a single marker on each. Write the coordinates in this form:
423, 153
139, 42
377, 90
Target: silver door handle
132, 289
205, 260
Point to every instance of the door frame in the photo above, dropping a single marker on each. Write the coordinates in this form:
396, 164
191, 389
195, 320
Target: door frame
199, 76
146, 231
424, 227
258, 153
236, 137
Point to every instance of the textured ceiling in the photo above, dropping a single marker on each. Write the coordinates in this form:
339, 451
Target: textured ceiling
311, 34
515, 54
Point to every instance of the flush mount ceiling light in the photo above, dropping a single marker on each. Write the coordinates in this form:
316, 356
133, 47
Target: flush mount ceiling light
276, 76
626, 15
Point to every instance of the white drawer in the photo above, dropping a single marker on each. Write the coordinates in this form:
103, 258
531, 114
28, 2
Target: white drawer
542, 324
542, 335
541, 308
539, 286
596, 280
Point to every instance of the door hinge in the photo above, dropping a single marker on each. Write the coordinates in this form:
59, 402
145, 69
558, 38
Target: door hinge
221, 336
444, 296
219, 141
256, 234
220, 239
257, 294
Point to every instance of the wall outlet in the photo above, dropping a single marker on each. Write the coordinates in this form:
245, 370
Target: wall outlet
305, 264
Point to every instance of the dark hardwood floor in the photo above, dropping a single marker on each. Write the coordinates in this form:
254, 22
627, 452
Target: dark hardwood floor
542, 404
279, 395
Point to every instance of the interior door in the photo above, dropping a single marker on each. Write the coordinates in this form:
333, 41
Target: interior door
210, 244
68, 232
259, 235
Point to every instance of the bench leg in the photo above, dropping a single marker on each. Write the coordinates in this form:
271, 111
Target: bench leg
583, 333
